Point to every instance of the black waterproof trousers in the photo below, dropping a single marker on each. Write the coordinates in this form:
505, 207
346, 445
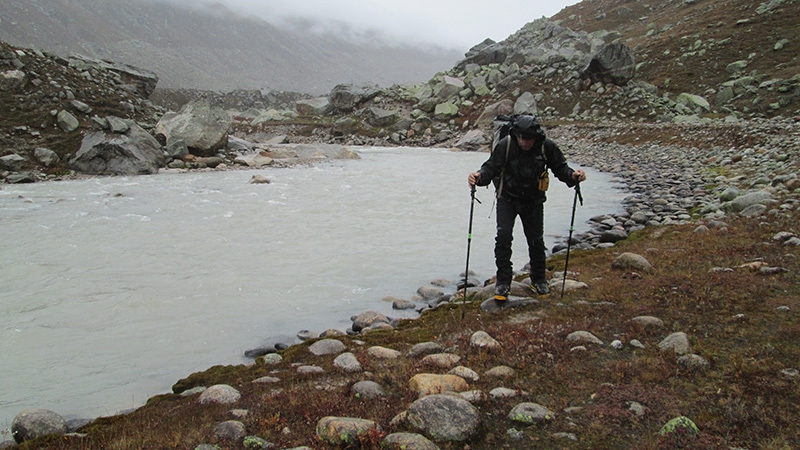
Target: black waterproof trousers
531, 213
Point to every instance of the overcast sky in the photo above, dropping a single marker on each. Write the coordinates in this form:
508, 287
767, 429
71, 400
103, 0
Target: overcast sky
456, 24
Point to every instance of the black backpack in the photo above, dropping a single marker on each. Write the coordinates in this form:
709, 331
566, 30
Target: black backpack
503, 125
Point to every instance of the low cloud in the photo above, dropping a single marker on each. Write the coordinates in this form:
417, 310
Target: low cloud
446, 23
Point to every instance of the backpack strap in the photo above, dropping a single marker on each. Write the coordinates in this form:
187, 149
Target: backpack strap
503, 171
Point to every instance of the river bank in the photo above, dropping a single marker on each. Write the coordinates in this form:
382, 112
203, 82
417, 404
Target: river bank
664, 175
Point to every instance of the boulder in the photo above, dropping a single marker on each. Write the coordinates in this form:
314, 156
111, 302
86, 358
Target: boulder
378, 117
347, 97
105, 153
12, 162
429, 384
614, 63
33, 423
12, 80
67, 121
474, 140
632, 261
343, 431
407, 441
203, 128
313, 106
46, 156
444, 418
222, 394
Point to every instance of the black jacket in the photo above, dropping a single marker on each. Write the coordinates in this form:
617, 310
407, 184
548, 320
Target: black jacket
523, 168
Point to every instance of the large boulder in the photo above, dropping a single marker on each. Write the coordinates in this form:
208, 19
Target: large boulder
347, 97
33, 423
106, 153
201, 126
487, 52
614, 63
445, 418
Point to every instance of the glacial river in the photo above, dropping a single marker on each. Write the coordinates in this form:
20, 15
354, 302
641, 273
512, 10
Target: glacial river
112, 289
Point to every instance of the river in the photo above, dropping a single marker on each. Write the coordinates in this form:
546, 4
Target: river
112, 289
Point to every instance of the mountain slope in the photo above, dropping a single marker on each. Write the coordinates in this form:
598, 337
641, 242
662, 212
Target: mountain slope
214, 50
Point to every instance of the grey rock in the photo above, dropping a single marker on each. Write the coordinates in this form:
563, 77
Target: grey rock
583, 337
677, 342
367, 319
67, 121
327, 347
46, 156
632, 261
347, 362
343, 430
203, 127
424, 348
445, 418
222, 394
231, 430
614, 63
368, 389
12, 162
34, 422
133, 153
407, 441
530, 413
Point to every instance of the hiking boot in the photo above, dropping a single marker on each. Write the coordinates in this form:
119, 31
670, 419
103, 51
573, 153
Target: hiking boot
501, 292
541, 287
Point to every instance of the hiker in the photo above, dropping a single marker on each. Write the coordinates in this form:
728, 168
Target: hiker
518, 167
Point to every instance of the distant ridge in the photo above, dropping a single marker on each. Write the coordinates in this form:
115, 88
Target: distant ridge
190, 48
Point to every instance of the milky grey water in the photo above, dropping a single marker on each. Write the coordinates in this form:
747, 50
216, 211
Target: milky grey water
112, 289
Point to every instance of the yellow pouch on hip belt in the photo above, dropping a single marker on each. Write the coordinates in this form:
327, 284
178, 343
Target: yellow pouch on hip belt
544, 181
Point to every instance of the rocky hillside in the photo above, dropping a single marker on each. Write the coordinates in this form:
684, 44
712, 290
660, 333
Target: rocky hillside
599, 63
213, 49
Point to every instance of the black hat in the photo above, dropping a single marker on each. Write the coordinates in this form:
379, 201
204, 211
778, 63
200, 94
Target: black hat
527, 127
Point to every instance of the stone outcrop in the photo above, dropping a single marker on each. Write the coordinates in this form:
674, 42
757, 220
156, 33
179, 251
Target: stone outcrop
135, 152
202, 127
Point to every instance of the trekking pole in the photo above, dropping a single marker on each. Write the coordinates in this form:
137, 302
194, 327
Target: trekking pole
571, 229
469, 243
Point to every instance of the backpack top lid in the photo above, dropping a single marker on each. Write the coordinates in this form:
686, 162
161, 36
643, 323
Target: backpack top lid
527, 127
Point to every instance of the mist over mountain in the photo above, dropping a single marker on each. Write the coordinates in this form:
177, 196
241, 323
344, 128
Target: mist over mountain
214, 48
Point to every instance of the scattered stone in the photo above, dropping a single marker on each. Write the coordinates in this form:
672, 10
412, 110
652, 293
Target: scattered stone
442, 360
383, 352
343, 430
327, 347
501, 372
632, 261
446, 418
530, 413
407, 441
693, 362
222, 394
424, 348
231, 430
465, 373
430, 384
583, 337
367, 389
481, 339
677, 342
347, 362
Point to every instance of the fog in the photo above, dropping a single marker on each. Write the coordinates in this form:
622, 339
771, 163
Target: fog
455, 24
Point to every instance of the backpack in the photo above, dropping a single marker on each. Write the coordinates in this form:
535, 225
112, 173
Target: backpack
502, 128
